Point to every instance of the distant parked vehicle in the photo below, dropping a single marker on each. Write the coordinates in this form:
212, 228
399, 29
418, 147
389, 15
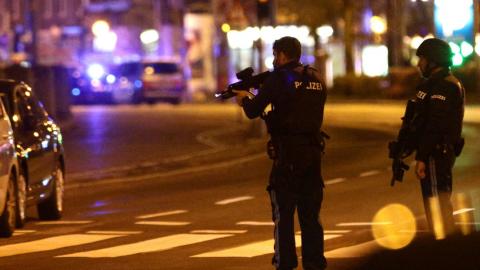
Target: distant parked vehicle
39, 149
97, 83
12, 188
163, 80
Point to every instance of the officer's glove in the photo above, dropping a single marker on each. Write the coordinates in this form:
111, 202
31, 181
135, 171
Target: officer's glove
241, 94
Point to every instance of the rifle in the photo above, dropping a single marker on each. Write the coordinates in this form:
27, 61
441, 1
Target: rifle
246, 82
405, 143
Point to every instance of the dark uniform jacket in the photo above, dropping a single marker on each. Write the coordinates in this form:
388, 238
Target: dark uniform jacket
440, 100
297, 95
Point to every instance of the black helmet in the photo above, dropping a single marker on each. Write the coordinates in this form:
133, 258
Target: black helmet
437, 51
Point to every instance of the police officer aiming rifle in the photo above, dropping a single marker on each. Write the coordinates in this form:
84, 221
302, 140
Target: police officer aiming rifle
432, 127
297, 95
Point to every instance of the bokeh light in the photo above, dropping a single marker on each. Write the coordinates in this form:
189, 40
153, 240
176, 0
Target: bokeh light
394, 226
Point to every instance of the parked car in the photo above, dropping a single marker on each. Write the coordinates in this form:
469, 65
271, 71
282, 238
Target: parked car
39, 149
12, 188
163, 80
116, 83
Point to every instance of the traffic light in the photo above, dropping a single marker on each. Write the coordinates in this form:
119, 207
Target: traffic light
264, 12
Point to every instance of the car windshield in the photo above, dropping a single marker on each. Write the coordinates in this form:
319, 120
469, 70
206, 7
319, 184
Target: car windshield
165, 68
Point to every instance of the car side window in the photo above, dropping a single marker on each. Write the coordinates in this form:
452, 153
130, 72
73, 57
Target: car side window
23, 108
36, 106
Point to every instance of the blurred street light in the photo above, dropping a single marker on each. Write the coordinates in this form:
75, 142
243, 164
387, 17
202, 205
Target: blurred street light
324, 32
100, 28
149, 36
378, 25
226, 28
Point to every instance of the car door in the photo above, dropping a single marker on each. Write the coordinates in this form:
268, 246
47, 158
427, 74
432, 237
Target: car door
31, 138
6, 141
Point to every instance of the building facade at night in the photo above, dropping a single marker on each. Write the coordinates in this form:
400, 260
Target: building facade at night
52, 32
49, 19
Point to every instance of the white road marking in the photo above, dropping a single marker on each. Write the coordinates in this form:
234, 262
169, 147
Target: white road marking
164, 223
246, 251
234, 200
336, 231
64, 222
162, 214
251, 250
22, 232
115, 232
52, 243
335, 181
346, 224
153, 245
370, 173
331, 236
357, 251
464, 210
256, 223
220, 231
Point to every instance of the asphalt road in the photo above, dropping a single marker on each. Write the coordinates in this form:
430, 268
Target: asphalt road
162, 187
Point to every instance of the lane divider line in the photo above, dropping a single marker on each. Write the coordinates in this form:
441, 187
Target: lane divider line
335, 181
163, 223
468, 223
464, 210
162, 214
220, 231
353, 224
336, 231
234, 200
22, 232
64, 222
256, 223
116, 232
370, 173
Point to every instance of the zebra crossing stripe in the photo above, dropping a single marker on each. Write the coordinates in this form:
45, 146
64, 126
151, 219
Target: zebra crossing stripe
252, 250
52, 243
153, 245
245, 251
362, 250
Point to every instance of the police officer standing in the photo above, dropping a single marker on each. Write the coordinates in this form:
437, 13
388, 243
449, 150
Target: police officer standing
440, 108
297, 95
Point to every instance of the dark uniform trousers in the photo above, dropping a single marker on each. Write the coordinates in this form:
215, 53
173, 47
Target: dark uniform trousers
298, 185
437, 191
